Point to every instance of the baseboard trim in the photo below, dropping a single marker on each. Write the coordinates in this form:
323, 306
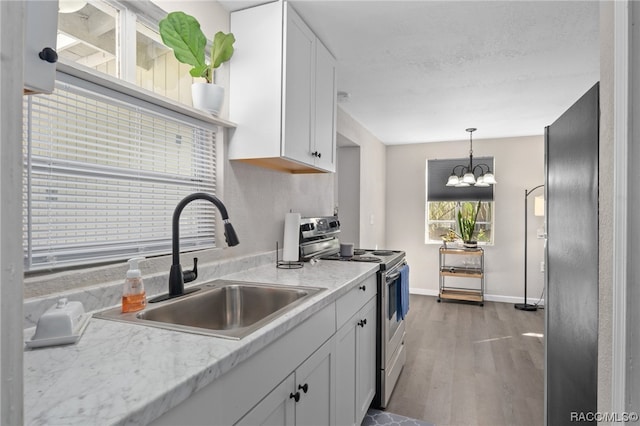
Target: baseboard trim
423, 291
487, 297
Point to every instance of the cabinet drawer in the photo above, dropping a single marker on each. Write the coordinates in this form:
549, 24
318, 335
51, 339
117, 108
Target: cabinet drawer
355, 299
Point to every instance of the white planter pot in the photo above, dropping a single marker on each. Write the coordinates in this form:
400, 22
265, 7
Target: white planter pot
207, 97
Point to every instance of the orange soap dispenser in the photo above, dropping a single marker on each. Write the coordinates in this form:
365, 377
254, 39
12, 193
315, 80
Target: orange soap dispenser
133, 295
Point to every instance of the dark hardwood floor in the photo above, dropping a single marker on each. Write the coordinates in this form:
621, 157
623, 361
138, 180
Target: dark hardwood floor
472, 365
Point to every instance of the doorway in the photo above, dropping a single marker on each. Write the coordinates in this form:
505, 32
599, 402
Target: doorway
348, 190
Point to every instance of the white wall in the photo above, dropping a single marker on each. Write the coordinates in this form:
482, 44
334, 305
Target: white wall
258, 200
372, 181
519, 165
348, 193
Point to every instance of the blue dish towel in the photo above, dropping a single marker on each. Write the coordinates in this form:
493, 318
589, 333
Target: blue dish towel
403, 294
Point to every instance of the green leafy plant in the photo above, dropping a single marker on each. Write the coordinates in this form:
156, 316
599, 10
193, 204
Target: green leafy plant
467, 221
182, 33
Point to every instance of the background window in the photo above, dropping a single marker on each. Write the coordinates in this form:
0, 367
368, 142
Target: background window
442, 216
443, 203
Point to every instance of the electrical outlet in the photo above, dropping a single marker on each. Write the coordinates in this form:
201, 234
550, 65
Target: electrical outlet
542, 266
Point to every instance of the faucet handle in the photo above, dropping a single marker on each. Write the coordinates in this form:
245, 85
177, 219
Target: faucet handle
191, 275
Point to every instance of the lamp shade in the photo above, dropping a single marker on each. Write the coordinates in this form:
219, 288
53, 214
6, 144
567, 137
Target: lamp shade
453, 180
481, 182
538, 206
489, 178
469, 178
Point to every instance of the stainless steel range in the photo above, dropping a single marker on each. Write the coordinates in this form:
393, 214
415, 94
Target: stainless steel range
319, 240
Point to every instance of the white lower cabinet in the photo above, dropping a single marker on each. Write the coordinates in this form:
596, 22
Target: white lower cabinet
312, 375
277, 408
303, 398
316, 386
356, 365
366, 361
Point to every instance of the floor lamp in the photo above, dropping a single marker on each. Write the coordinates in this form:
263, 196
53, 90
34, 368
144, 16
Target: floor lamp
526, 306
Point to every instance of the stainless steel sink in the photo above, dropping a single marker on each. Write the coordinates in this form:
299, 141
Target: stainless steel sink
221, 308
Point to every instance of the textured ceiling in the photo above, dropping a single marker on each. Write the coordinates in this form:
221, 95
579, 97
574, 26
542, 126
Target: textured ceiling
424, 71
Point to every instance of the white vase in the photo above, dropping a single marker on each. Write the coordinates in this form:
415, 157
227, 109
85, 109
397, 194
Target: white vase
207, 97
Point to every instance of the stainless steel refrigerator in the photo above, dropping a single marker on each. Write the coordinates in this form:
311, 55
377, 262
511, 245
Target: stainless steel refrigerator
571, 302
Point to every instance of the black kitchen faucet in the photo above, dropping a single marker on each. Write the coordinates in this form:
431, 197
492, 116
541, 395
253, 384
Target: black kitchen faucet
177, 278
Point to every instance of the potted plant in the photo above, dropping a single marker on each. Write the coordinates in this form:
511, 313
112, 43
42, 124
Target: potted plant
182, 33
467, 224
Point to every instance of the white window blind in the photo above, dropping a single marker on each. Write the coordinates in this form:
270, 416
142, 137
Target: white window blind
103, 174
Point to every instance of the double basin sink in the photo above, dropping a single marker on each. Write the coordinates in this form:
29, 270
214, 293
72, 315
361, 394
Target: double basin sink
220, 308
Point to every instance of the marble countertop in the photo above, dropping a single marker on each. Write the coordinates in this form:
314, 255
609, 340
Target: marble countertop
120, 373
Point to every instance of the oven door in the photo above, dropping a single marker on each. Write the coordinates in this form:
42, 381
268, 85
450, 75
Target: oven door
394, 327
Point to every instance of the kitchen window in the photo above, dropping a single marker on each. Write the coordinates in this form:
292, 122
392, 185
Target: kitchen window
121, 39
103, 173
443, 203
88, 37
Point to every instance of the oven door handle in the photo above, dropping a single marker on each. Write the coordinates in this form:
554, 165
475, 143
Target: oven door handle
392, 277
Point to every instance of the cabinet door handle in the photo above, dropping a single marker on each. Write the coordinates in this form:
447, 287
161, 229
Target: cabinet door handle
362, 323
316, 154
295, 396
49, 55
363, 287
305, 387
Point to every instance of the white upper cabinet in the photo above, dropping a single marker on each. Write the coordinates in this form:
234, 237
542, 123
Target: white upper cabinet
282, 92
40, 57
325, 109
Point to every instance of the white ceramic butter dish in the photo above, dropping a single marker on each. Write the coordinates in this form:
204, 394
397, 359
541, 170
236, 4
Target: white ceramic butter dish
61, 324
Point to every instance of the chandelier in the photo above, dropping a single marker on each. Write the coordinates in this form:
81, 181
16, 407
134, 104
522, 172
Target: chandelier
466, 175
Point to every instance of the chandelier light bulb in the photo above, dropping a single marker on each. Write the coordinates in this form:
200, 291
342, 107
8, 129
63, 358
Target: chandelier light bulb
453, 180
489, 178
469, 178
